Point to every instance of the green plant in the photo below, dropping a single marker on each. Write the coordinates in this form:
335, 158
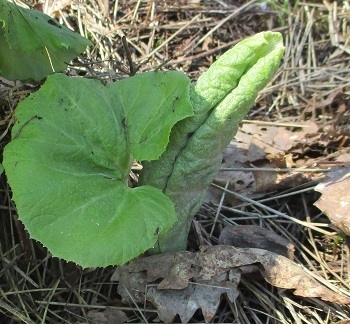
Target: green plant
33, 45
75, 139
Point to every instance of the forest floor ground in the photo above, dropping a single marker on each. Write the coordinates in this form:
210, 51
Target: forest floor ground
311, 88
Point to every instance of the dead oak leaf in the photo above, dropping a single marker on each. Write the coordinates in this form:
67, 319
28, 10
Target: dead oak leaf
205, 295
180, 283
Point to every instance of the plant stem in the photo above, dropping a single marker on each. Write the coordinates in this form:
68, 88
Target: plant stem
221, 98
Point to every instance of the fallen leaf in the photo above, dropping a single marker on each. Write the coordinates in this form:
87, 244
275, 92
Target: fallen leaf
108, 316
237, 181
335, 199
205, 295
253, 236
269, 147
180, 283
176, 269
267, 181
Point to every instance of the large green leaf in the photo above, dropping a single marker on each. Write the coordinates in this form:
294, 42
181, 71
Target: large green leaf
33, 45
68, 164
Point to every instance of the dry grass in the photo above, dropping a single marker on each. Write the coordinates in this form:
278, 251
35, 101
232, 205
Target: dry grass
312, 83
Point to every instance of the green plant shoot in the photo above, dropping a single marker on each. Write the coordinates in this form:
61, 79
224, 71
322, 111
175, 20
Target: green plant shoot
75, 139
221, 98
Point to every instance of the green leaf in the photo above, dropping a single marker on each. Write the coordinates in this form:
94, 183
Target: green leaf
68, 167
33, 45
137, 96
1, 169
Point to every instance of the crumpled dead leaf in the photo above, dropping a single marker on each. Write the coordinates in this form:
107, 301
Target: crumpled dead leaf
108, 316
185, 302
274, 140
180, 283
253, 236
335, 199
269, 147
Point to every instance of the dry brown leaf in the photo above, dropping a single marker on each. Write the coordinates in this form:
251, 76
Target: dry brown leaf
237, 181
180, 283
267, 181
335, 199
253, 143
108, 316
269, 147
273, 139
176, 269
205, 295
253, 236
